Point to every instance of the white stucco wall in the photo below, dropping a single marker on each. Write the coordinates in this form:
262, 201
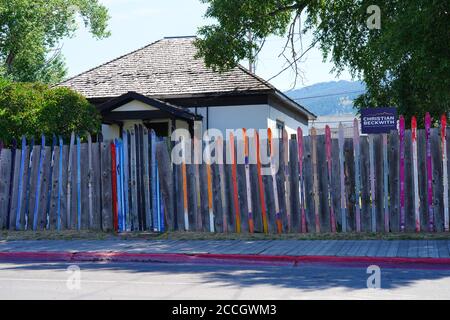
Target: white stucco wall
249, 116
110, 131
290, 123
135, 106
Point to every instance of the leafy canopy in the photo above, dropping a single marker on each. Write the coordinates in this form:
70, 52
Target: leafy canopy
31, 31
405, 63
32, 109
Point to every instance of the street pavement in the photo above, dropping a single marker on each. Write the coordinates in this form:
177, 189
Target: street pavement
192, 282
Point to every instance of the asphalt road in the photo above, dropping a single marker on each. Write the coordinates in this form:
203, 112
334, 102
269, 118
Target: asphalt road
181, 281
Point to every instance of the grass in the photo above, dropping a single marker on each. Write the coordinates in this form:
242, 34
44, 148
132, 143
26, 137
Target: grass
92, 235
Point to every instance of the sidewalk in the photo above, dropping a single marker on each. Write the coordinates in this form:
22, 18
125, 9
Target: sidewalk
270, 251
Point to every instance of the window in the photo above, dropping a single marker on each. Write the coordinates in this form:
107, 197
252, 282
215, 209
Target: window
280, 128
161, 128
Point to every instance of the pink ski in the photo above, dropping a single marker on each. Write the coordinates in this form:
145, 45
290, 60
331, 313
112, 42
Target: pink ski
429, 172
402, 173
329, 164
301, 183
415, 173
444, 169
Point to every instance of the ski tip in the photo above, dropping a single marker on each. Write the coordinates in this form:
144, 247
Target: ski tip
14, 143
299, 132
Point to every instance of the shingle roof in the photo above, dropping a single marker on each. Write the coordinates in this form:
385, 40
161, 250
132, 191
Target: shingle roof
166, 68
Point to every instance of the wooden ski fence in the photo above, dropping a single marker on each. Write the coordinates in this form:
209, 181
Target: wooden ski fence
383, 183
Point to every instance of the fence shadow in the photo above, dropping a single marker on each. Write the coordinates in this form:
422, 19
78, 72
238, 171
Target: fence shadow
306, 278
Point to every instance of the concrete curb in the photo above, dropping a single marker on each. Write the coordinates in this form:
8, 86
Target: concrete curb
206, 258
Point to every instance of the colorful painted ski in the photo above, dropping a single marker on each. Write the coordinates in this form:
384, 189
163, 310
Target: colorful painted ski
154, 175
78, 183
126, 204
60, 186
315, 178
197, 161
287, 182
329, 166
415, 172
119, 186
158, 202
341, 141
274, 182
50, 183
114, 187
261, 184
90, 181
20, 187
429, 172
222, 187
185, 190
28, 186
357, 157
235, 186
444, 171
402, 172
251, 225
11, 179
133, 183
372, 183
209, 189
301, 178
69, 182
38, 184
146, 158
386, 183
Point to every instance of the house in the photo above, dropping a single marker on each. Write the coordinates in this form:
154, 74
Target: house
163, 86
333, 121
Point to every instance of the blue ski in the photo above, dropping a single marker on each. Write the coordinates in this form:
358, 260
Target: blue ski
11, 179
38, 184
21, 172
27, 195
60, 185
78, 183
50, 183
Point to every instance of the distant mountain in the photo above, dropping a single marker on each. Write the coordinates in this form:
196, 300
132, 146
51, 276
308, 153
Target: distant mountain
328, 98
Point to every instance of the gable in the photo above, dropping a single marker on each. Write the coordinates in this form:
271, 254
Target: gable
134, 105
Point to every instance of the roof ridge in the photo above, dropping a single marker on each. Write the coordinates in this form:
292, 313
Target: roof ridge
110, 61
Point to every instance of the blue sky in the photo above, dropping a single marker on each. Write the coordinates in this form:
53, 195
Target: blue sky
136, 23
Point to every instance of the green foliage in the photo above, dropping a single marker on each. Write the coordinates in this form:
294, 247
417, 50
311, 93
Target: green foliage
405, 64
33, 109
31, 30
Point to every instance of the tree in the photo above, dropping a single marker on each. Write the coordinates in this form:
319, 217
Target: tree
31, 31
32, 109
405, 63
